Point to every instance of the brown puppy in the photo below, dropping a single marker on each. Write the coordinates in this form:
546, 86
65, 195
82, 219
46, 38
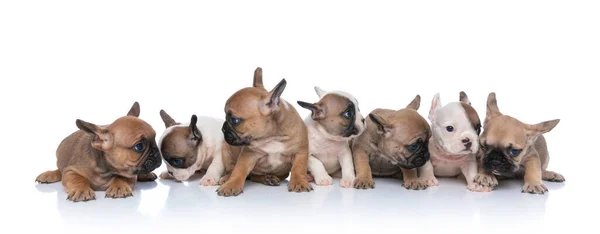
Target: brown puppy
514, 149
393, 145
273, 136
110, 158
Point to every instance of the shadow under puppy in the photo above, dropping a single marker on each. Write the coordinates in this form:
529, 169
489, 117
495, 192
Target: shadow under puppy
193, 146
394, 144
514, 149
454, 144
106, 157
335, 120
272, 137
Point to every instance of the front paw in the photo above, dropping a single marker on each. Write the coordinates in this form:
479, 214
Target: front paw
431, 181
534, 188
364, 183
81, 194
230, 189
415, 184
209, 180
166, 176
119, 190
552, 176
296, 185
147, 177
486, 180
323, 180
475, 187
347, 182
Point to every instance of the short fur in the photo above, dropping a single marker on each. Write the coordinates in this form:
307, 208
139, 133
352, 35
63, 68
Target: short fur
97, 158
502, 134
272, 137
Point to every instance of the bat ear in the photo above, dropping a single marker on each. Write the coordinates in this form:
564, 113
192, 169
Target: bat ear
102, 138
415, 103
320, 92
258, 81
167, 119
541, 128
382, 125
318, 111
197, 135
464, 98
492, 107
435, 105
135, 110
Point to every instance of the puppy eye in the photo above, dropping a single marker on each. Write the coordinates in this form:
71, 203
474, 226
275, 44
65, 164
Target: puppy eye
413, 147
348, 114
139, 147
515, 152
235, 121
449, 128
177, 162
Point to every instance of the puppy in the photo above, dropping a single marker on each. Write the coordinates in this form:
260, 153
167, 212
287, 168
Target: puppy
512, 148
190, 147
454, 143
106, 157
335, 120
393, 144
273, 136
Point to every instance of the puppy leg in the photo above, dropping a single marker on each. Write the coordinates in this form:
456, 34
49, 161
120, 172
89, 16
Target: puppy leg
426, 173
224, 178
411, 180
166, 176
298, 181
469, 171
552, 176
120, 188
214, 171
235, 184
147, 177
364, 178
318, 172
533, 177
484, 178
77, 187
49, 177
270, 180
347, 166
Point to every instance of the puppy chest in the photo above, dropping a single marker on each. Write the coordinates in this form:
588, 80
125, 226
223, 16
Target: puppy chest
381, 166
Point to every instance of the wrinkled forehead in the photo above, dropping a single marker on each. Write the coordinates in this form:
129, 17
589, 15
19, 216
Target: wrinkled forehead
346, 96
244, 101
503, 131
174, 136
336, 103
453, 112
410, 125
129, 130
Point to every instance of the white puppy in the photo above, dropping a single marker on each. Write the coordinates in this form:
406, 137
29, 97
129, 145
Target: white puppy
334, 122
191, 147
455, 140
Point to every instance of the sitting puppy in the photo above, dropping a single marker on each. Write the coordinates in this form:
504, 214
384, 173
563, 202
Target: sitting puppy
335, 120
272, 134
110, 158
393, 144
512, 148
191, 147
454, 143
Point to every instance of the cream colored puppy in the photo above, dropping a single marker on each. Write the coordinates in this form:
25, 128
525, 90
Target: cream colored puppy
334, 122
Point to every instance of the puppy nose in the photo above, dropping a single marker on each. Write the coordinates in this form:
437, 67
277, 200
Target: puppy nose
466, 140
468, 145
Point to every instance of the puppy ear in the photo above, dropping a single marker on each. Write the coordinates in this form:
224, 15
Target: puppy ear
320, 91
197, 135
492, 107
135, 110
464, 98
318, 111
258, 83
415, 103
167, 119
541, 128
382, 125
275, 94
436, 104
102, 138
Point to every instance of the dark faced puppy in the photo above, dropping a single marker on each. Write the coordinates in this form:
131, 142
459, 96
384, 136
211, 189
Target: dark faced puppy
394, 142
110, 157
511, 148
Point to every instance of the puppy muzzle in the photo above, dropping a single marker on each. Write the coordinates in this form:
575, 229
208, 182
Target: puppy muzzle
232, 138
350, 131
152, 161
496, 162
417, 159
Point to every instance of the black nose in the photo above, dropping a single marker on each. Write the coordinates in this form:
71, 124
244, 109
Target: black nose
468, 145
466, 140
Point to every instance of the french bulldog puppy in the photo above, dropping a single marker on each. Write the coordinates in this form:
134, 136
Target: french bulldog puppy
190, 147
334, 122
272, 134
514, 149
106, 158
394, 144
454, 143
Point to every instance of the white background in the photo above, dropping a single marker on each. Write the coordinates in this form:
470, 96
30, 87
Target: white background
63, 60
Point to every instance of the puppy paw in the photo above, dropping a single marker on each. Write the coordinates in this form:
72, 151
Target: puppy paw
324, 180
229, 189
271, 180
486, 180
224, 179
119, 190
296, 185
347, 182
364, 183
415, 184
552, 176
534, 188
475, 187
166, 176
49, 177
147, 177
81, 194
209, 180
431, 181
